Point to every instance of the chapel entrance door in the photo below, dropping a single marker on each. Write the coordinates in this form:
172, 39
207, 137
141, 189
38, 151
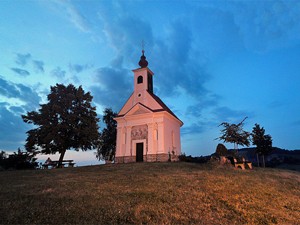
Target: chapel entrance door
139, 152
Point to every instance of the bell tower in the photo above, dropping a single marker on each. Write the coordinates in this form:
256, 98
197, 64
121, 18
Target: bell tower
143, 80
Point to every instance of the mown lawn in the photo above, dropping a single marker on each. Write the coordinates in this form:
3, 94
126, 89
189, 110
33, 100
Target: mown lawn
151, 193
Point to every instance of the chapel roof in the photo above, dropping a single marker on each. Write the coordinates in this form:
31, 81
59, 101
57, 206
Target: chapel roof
164, 107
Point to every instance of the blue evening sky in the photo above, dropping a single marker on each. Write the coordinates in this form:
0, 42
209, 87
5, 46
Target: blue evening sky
213, 61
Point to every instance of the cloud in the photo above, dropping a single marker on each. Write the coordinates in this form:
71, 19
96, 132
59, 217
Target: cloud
196, 110
114, 87
180, 39
77, 68
29, 96
18, 110
22, 59
74, 16
214, 31
177, 64
30, 99
266, 24
14, 129
197, 127
21, 98
58, 72
20, 71
39, 65
77, 19
207, 115
125, 32
225, 114
7, 89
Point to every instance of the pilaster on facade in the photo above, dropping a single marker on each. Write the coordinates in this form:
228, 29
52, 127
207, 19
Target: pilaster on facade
160, 135
128, 149
150, 139
119, 142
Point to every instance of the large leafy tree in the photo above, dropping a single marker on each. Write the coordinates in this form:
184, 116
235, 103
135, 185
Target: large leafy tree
234, 133
262, 141
107, 144
67, 121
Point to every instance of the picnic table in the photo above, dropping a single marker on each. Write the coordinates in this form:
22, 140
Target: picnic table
55, 164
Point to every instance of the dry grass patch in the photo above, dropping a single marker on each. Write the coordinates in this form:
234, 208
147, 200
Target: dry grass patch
154, 193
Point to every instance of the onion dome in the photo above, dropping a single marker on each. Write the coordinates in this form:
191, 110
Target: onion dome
143, 62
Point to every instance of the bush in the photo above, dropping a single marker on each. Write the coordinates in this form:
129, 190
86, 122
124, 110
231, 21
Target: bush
221, 150
18, 160
201, 159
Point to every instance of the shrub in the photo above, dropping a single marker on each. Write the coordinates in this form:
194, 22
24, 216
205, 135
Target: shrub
18, 160
221, 150
197, 159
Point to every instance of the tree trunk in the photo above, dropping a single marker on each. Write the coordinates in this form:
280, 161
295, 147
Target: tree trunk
61, 158
236, 148
257, 159
264, 161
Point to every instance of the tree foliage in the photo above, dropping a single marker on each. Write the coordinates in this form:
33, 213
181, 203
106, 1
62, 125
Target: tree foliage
107, 144
262, 141
234, 133
67, 121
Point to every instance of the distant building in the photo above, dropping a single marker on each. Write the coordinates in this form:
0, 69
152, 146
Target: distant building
147, 129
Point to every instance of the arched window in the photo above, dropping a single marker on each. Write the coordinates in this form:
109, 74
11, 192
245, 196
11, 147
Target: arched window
140, 79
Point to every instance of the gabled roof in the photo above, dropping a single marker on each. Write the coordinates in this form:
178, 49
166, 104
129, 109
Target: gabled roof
139, 108
133, 109
163, 106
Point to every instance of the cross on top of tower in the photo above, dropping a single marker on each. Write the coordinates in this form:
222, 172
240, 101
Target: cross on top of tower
143, 46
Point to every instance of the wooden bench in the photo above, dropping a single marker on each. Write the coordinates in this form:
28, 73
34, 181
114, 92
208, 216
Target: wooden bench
239, 164
69, 162
242, 164
248, 164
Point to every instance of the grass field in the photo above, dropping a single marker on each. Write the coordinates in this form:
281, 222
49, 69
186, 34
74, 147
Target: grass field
152, 193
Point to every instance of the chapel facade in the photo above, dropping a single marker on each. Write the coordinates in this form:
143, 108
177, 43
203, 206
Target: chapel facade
147, 130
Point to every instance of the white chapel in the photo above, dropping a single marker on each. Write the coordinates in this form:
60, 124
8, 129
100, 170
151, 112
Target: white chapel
147, 130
